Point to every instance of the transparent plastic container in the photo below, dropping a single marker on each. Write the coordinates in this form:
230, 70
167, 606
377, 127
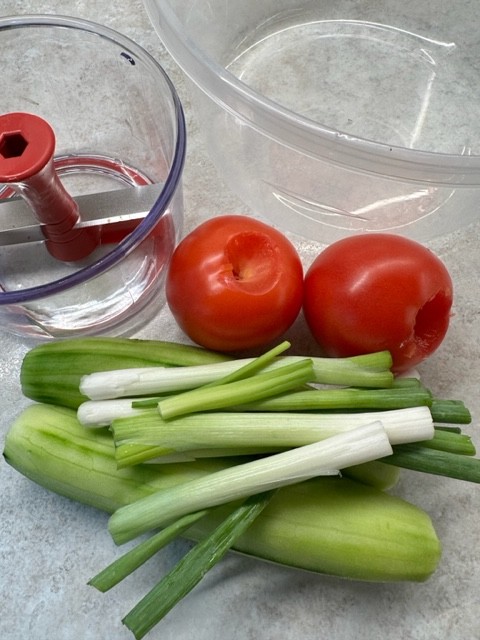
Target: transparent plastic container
118, 124
337, 118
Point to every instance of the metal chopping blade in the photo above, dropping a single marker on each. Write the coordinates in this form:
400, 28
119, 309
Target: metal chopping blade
115, 212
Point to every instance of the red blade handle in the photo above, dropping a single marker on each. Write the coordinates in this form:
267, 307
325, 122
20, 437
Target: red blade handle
27, 145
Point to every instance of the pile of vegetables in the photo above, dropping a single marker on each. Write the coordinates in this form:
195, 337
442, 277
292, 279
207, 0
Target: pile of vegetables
283, 457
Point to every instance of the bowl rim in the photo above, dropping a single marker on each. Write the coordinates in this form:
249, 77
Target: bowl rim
170, 186
303, 134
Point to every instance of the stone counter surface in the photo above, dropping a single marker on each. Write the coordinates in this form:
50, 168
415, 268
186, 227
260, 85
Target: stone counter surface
50, 547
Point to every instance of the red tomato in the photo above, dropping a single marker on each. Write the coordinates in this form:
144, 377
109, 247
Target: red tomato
234, 283
378, 291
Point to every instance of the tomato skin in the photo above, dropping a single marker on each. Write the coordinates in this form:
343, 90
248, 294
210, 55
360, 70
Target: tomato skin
234, 283
378, 291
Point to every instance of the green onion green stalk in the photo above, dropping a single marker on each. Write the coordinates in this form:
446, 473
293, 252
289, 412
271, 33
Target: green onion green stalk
147, 436
188, 572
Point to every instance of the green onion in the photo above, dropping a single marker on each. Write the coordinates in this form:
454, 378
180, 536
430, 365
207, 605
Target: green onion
256, 387
441, 463
451, 428
362, 371
406, 382
328, 399
379, 361
188, 572
352, 447
131, 453
452, 441
136, 557
254, 366
369, 370
147, 435
442, 410
105, 385
101, 413
93, 413
453, 411
343, 399
143, 403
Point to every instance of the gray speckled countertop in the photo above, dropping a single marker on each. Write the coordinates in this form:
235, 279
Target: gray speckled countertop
50, 547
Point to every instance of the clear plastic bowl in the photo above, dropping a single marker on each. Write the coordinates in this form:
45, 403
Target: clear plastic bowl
118, 124
337, 118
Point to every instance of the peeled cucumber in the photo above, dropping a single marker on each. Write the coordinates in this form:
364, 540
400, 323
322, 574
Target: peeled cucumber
51, 371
